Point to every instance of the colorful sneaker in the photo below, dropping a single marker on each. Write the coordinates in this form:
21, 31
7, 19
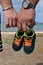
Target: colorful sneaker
29, 41
18, 41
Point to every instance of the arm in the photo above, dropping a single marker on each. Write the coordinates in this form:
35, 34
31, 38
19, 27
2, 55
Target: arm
34, 1
5, 3
0, 1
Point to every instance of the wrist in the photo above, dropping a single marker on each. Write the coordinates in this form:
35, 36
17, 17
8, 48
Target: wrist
6, 3
34, 1
26, 4
7, 8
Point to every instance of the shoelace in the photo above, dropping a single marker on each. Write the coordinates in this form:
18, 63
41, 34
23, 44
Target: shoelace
17, 41
28, 42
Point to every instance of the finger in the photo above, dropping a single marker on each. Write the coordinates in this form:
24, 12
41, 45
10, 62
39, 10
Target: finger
33, 22
24, 26
7, 23
14, 24
10, 20
29, 23
19, 25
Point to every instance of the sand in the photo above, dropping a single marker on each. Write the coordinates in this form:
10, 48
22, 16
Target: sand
10, 57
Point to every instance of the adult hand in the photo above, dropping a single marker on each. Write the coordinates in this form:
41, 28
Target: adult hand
26, 17
10, 18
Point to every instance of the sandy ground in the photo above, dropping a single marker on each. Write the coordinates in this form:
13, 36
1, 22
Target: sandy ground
10, 57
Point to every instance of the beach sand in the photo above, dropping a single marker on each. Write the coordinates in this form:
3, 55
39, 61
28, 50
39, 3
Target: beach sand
10, 57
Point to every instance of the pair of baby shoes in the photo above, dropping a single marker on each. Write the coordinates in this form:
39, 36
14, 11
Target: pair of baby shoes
25, 39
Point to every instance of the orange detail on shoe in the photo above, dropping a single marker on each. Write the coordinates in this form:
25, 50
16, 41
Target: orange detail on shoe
17, 41
28, 42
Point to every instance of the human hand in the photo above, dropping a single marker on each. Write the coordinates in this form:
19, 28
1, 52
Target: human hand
26, 17
10, 18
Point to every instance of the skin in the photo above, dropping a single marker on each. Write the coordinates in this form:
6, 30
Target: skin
11, 18
22, 19
26, 17
10, 15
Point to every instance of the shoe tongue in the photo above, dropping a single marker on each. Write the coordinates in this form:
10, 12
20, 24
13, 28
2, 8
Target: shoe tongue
28, 35
19, 34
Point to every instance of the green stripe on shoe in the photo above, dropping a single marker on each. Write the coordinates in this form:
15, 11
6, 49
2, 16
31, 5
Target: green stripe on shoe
26, 34
19, 36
